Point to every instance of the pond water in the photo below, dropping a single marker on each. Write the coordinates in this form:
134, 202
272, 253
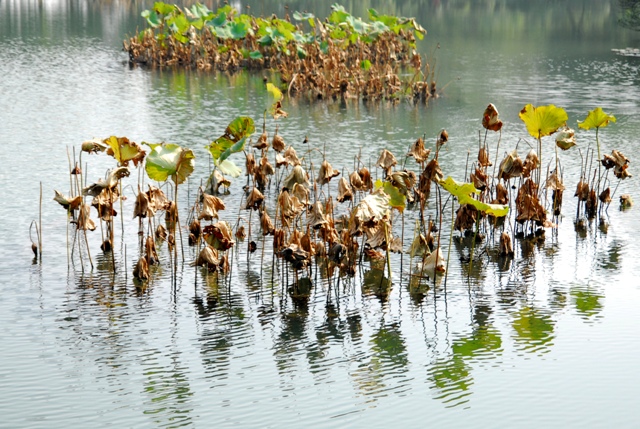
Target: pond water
547, 341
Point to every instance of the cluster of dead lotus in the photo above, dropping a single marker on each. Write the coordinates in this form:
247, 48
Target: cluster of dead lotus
306, 227
340, 57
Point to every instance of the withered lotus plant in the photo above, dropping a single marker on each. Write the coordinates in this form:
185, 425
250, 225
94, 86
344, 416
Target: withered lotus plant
502, 195
431, 173
605, 196
208, 258
418, 151
241, 234
218, 235
210, 206
297, 176
84, 221
386, 161
315, 216
345, 193
141, 207
301, 193
124, 150
278, 142
483, 157
266, 224
443, 137
582, 190
356, 182
263, 141
511, 166
326, 173
150, 251
531, 163
365, 176
528, 206
479, 179
291, 156
555, 184
70, 204
254, 200
141, 270
250, 164
289, 207
592, 204
490, 118
618, 162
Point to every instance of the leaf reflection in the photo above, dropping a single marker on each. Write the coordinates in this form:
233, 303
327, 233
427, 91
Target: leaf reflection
534, 330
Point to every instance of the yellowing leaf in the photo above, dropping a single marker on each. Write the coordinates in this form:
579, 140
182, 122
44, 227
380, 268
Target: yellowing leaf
543, 120
124, 150
229, 168
274, 91
463, 192
596, 118
168, 159
396, 199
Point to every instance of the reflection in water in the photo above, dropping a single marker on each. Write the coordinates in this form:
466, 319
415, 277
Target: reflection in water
587, 301
534, 330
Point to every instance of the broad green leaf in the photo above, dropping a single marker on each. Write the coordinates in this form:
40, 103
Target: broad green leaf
237, 147
152, 18
240, 127
229, 168
239, 30
396, 199
169, 160
219, 20
255, 55
218, 146
358, 25
302, 54
324, 47
164, 8
365, 65
274, 91
543, 120
463, 192
596, 118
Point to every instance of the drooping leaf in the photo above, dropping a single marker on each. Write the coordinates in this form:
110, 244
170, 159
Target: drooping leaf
275, 93
169, 160
240, 127
124, 150
236, 147
396, 199
543, 120
596, 118
463, 192
566, 138
229, 168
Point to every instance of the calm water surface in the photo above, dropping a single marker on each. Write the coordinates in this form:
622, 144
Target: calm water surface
549, 340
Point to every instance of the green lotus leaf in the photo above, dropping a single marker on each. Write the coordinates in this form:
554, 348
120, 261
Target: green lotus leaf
164, 8
463, 192
218, 146
255, 55
396, 199
240, 127
596, 118
237, 147
169, 160
543, 120
152, 18
219, 20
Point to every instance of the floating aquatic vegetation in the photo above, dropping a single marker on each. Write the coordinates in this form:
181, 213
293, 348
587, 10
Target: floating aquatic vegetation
340, 57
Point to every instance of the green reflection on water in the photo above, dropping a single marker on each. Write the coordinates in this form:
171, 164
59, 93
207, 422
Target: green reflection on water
534, 329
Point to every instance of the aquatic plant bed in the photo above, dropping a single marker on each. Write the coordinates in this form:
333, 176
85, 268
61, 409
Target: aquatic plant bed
342, 56
313, 216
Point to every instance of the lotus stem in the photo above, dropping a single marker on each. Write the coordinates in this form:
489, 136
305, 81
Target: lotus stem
40, 228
